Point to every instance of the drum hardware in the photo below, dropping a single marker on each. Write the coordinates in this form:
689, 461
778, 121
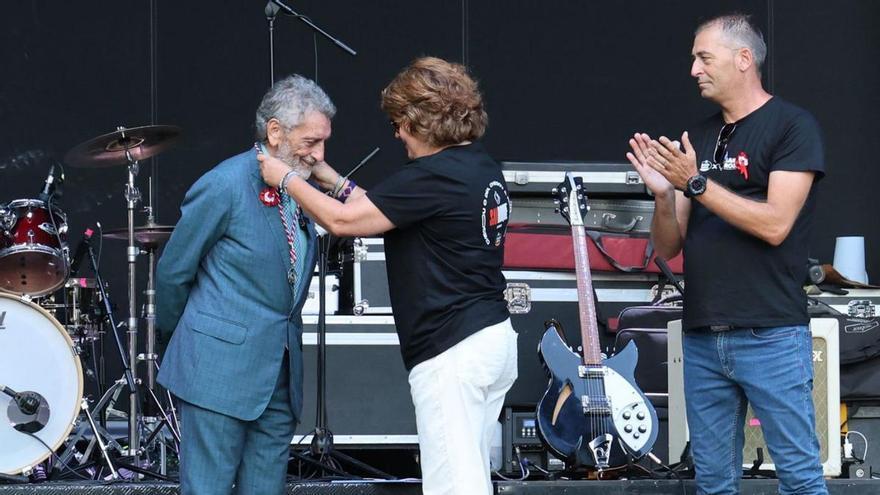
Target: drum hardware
128, 372
85, 408
101, 437
79, 309
149, 236
126, 147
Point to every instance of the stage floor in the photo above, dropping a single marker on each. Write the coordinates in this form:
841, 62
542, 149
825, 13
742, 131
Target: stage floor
646, 487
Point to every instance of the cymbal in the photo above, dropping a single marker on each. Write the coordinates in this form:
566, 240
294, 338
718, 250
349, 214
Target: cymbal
148, 235
109, 150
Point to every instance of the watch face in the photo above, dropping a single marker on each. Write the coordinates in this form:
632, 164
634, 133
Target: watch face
696, 185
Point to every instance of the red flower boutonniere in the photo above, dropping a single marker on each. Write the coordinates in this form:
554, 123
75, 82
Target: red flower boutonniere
269, 196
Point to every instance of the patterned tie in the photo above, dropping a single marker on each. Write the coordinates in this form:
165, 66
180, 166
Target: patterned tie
289, 219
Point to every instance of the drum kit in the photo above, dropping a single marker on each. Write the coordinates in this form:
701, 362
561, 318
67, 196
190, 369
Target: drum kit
49, 319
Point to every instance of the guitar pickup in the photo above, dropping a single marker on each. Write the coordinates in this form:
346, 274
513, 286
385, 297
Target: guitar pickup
591, 371
601, 406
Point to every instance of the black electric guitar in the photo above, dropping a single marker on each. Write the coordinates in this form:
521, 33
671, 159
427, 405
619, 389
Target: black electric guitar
593, 413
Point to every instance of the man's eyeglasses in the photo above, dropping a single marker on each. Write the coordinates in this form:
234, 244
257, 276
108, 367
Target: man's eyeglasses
723, 139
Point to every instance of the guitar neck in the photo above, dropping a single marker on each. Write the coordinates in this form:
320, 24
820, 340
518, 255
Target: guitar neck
586, 304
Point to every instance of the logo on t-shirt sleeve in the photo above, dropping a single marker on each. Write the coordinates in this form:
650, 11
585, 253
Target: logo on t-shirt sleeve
495, 214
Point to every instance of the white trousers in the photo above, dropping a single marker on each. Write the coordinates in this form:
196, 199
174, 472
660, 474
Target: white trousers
458, 397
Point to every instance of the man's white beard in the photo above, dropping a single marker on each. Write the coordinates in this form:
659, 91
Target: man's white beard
302, 165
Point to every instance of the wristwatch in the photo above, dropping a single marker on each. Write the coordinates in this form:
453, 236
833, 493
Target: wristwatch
696, 185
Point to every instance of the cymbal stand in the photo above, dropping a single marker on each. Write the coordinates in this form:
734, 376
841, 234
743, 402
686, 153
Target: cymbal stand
132, 196
150, 356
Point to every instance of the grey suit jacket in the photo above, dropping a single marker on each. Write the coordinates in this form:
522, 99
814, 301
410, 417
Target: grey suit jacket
223, 298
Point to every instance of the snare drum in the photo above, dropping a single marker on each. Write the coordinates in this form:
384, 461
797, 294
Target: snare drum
33, 247
36, 355
78, 306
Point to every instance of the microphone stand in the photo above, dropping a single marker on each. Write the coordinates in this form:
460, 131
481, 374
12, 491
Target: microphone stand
321, 453
312, 25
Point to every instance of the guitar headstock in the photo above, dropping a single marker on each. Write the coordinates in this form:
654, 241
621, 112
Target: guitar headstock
572, 199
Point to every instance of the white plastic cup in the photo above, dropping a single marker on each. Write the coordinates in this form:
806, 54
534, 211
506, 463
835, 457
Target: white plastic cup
849, 258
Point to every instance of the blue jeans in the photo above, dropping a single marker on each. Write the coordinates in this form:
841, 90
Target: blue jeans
769, 368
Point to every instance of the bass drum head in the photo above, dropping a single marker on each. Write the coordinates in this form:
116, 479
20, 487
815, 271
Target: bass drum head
36, 355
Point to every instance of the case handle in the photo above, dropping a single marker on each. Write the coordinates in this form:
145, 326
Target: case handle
608, 221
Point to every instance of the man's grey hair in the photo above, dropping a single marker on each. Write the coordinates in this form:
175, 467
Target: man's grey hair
739, 32
289, 100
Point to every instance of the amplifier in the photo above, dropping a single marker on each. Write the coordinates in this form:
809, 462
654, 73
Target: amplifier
519, 442
826, 400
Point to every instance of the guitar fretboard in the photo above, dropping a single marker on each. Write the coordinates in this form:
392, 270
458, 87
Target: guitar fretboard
586, 305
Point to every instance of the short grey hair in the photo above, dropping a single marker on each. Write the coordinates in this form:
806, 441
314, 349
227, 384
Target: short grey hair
289, 100
740, 32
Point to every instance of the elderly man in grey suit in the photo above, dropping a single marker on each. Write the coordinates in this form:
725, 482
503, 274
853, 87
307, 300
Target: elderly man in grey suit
231, 284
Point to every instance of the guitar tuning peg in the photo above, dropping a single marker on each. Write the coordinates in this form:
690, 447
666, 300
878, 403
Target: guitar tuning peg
555, 210
565, 209
556, 201
554, 191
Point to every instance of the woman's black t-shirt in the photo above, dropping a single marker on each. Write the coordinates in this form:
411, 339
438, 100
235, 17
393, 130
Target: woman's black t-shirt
444, 257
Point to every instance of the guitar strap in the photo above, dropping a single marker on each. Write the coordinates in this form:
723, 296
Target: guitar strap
597, 240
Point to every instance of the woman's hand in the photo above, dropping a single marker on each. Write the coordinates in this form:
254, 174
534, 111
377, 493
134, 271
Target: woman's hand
324, 175
272, 169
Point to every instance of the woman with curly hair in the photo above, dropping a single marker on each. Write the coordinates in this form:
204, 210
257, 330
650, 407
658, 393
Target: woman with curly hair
444, 217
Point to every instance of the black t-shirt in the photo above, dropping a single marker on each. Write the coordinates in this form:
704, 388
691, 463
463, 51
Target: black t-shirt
733, 278
444, 257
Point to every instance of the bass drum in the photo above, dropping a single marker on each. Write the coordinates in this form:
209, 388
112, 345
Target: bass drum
36, 355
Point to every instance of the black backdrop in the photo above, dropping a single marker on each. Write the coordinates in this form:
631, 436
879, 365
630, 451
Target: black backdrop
563, 80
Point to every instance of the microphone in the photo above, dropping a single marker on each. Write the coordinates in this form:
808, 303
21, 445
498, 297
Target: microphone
361, 164
28, 404
271, 10
27, 411
47, 187
80, 251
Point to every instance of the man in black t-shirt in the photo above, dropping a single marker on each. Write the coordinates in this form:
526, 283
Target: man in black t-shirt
444, 215
738, 199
